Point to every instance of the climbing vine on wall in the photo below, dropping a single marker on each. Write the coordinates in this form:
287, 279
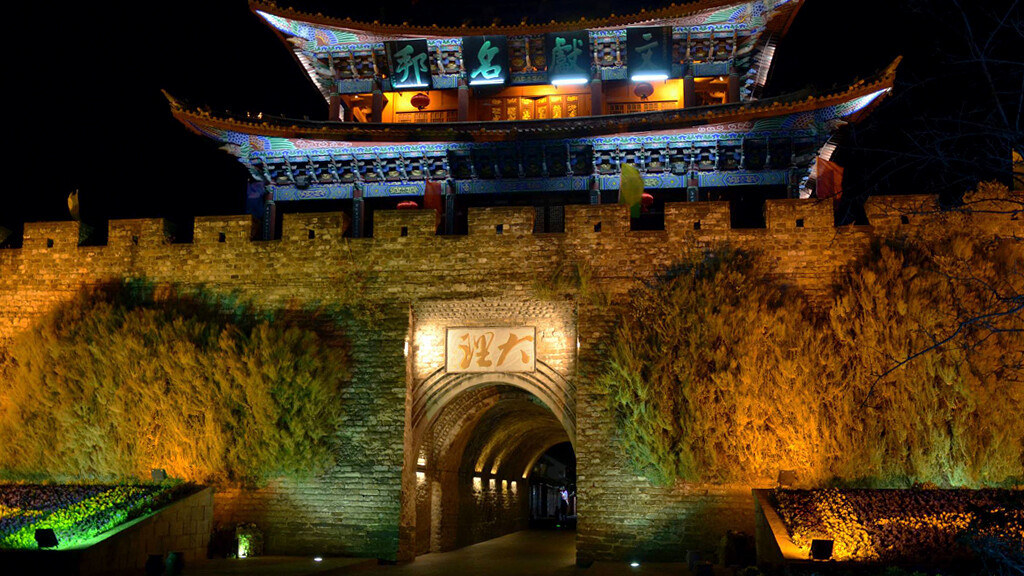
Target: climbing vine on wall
110, 386
912, 373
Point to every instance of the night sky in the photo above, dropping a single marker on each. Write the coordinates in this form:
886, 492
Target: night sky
88, 113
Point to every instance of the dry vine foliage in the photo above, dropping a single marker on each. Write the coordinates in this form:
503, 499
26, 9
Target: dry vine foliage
106, 389
915, 373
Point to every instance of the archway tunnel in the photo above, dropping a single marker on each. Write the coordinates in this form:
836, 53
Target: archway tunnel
474, 462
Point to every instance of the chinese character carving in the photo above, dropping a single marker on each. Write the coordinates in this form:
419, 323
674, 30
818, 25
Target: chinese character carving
491, 350
647, 50
513, 343
484, 56
564, 56
406, 63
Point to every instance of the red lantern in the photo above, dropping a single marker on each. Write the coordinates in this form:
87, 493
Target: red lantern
408, 205
420, 100
643, 90
645, 201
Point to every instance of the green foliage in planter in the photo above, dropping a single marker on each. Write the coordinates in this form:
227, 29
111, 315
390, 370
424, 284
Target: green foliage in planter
112, 385
913, 373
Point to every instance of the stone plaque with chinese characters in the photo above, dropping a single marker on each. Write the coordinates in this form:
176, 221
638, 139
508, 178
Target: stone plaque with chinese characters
648, 52
568, 56
501, 349
485, 59
410, 63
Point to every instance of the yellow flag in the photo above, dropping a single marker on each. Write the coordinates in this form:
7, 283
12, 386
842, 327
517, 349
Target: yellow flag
631, 189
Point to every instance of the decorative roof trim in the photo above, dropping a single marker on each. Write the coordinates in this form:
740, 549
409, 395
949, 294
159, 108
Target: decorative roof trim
867, 93
434, 31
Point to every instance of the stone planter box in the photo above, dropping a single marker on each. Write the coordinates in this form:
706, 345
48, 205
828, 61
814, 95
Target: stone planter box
182, 527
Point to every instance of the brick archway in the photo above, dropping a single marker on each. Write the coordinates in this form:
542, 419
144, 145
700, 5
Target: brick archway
484, 428
437, 391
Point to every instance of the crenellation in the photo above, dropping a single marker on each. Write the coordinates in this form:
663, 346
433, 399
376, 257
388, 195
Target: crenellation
143, 232
798, 213
60, 236
890, 212
233, 230
583, 221
687, 217
318, 226
392, 224
503, 220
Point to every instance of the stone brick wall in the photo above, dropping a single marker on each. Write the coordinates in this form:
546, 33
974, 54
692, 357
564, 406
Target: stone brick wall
314, 270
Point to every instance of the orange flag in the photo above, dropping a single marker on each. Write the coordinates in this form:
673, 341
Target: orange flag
830, 179
432, 198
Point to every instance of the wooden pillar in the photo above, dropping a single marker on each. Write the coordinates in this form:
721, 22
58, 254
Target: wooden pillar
733, 94
358, 212
334, 114
596, 97
463, 101
377, 110
269, 217
689, 92
449, 208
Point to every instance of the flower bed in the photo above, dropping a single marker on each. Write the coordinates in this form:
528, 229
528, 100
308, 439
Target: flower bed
75, 512
919, 526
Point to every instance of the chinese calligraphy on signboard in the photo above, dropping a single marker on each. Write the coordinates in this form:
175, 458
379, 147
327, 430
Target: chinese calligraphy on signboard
485, 59
410, 64
648, 53
491, 349
568, 56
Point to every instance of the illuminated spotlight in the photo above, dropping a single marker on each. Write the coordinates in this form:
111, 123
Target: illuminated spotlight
570, 81
318, 559
648, 77
634, 564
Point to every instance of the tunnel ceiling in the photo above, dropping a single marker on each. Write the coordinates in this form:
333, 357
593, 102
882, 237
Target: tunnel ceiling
496, 430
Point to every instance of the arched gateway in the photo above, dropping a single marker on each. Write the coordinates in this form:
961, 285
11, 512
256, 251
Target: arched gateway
490, 390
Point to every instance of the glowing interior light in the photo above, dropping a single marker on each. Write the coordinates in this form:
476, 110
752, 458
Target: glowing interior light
421, 461
513, 485
406, 348
648, 77
478, 483
504, 485
491, 483
420, 475
569, 81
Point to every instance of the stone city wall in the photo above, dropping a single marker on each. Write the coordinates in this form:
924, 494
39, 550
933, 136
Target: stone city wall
356, 508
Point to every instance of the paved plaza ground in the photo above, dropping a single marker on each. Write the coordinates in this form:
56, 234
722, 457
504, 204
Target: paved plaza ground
528, 552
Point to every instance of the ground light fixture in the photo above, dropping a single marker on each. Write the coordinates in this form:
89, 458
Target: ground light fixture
821, 549
634, 564
318, 559
45, 538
